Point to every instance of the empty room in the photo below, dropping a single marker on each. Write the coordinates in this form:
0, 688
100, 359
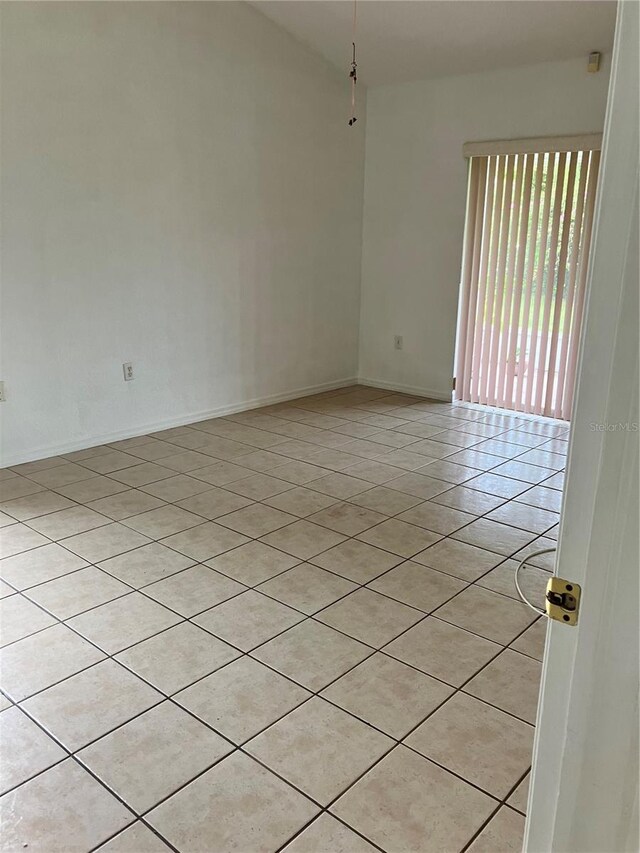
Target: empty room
319, 426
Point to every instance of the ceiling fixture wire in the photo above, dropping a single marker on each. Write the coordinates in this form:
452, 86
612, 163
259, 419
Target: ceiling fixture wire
353, 73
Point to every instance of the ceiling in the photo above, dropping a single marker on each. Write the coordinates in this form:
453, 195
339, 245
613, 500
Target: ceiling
403, 40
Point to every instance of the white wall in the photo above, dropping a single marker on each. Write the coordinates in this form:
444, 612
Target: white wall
415, 194
180, 190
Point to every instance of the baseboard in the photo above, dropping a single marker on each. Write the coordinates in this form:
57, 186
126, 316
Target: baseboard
183, 420
406, 389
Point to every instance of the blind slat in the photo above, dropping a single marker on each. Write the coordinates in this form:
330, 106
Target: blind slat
529, 224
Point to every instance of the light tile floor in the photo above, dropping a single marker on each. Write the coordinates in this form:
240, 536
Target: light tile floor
294, 628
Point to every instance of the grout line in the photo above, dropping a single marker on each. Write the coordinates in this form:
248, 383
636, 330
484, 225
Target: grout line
304, 615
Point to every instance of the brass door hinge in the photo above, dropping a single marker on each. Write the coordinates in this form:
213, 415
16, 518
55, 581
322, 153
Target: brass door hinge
454, 383
563, 600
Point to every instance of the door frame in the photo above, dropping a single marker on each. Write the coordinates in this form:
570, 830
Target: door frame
584, 790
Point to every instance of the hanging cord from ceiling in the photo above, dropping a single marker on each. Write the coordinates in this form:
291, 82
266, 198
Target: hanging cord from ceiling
353, 73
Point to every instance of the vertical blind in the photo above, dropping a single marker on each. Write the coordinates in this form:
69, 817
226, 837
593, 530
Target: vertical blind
527, 235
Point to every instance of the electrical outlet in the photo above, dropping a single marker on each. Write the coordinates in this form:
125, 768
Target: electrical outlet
127, 369
397, 342
3, 393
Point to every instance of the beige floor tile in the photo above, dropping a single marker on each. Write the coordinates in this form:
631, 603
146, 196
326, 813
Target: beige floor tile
88, 705
328, 834
142, 474
85, 813
235, 805
303, 539
248, 620
444, 469
475, 459
312, 654
43, 659
543, 561
257, 520
301, 502
125, 504
177, 487
442, 650
252, 563
494, 484
458, 559
319, 749
504, 832
433, 449
307, 588
145, 565
419, 485
524, 516
340, 486
469, 500
542, 497
17, 487
123, 622
61, 475
151, 756
399, 537
299, 472
487, 613
485, 746
510, 682
76, 592
194, 590
347, 518
518, 800
214, 503
107, 463
221, 473
135, 839
6, 590
19, 618
32, 506
417, 586
177, 657
27, 468
523, 472
532, 642
356, 561
375, 472
388, 694
494, 537
26, 749
385, 500
18, 538
205, 541
533, 581
407, 803
433, 516
164, 521
242, 698
258, 487
41, 564
105, 542
188, 460
369, 617
92, 490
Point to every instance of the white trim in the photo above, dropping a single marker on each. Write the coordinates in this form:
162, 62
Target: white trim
406, 389
491, 147
182, 420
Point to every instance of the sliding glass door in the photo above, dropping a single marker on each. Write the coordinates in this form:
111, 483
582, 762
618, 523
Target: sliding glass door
528, 230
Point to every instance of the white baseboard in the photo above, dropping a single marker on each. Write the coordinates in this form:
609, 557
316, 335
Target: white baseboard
406, 389
182, 420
